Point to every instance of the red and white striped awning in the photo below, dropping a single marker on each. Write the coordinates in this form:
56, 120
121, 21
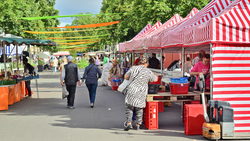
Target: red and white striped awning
232, 26
121, 47
231, 81
145, 29
156, 40
138, 41
127, 45
181, 35
171, 22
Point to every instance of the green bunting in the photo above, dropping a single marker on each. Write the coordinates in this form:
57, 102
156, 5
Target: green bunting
65, 16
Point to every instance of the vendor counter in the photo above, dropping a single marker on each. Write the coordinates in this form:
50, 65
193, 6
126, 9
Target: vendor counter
155, 104
10, 94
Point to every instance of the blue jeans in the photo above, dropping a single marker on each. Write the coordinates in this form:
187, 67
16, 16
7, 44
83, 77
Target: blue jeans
54, 69
92, 92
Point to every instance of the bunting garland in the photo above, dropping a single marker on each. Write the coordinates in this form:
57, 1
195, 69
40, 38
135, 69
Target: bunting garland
65, 41
63, 16
82, 45
55, 32
77, 37
89, 25
77, 43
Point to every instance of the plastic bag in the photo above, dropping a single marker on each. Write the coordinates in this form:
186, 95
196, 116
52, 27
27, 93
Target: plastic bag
123, 85
65, 93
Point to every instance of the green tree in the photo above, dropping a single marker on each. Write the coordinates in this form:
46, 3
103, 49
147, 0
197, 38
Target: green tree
135, 14
12, 10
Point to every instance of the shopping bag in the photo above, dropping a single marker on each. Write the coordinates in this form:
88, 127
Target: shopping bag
65, 93
123, 86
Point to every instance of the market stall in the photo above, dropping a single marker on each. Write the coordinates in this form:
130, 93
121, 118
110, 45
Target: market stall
13, 86
221, 28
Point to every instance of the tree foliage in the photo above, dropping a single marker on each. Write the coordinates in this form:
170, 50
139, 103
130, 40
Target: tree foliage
135, 15
12, 10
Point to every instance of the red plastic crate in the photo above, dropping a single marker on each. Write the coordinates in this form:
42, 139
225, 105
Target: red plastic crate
194, 119
151, 115
160, 106
183, 105
158, 82
179, 88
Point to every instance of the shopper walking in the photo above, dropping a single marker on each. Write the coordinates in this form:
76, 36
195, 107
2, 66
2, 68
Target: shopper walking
137, 90
90, 75
70, 76
106, 74
55, 65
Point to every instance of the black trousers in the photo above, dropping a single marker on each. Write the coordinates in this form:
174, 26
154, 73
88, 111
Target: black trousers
71, 97
27, 84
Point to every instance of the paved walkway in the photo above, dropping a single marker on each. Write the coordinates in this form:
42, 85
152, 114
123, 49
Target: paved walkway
47, 118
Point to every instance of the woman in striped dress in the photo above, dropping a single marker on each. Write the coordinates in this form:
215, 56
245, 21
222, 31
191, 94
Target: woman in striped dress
137, 90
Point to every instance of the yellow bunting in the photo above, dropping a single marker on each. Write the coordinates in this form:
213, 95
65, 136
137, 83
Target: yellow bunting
77, 37
63, 41
77, 43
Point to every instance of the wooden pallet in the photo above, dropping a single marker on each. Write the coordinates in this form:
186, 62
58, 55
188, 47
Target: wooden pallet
168, 97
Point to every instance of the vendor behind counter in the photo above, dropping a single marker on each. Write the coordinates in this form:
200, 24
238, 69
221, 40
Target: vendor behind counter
30, 68
202, 67
154, 63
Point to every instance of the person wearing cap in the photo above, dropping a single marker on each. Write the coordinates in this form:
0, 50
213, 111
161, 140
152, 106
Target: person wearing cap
137, 90
154, 63
70, 76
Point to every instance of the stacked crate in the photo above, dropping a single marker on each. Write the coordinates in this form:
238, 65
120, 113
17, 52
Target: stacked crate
151, 115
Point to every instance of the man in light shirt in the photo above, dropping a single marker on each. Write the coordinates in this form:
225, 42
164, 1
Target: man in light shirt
199, 57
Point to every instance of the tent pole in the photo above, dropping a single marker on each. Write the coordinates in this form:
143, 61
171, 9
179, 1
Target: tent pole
133, 57
161, 62
17, 56
182, 60
29, 50
146, 54
4, 59
211, 72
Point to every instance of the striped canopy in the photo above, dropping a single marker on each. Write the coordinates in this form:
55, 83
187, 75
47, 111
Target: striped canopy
156, 39
181, 35
171, 22
138, 41
122, 46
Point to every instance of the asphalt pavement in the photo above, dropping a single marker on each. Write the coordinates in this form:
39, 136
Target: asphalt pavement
44, 116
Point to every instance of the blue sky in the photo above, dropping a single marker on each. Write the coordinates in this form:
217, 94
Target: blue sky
71, 7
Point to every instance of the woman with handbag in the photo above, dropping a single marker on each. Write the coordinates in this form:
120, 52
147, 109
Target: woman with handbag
90, 74
137, 90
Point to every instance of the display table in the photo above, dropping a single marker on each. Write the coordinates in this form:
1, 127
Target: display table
168, 97
152, 108
11, 94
